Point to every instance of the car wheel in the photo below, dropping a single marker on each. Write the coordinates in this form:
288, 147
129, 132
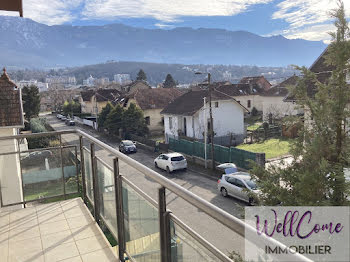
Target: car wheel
251, 201
224, 192
155, 165
168, 170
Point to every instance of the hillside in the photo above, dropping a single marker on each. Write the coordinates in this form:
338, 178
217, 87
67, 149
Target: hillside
31, 44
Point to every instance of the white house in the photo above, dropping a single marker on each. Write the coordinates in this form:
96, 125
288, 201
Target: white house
188, 115
275, 104
11, 120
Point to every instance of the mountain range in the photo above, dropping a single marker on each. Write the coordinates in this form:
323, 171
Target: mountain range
26, 43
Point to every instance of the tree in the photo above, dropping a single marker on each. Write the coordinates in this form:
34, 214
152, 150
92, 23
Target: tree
71, 108
31, 101
102, 117
134, 122
322, 151
141, 75
114, 120
169, 82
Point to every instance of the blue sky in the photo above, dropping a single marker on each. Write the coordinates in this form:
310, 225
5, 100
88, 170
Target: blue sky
306, 19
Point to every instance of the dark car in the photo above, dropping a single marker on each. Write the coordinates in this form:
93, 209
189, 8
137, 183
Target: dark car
71, 123
127, 146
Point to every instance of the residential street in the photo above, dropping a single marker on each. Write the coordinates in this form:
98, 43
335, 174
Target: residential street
203, 186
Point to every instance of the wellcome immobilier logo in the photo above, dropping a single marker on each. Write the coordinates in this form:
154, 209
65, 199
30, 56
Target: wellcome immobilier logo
297, 234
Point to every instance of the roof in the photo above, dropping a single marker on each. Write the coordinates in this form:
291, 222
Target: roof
190, 102
11, 108
250, 79
241, 89
282, 88
155, 98
102, 95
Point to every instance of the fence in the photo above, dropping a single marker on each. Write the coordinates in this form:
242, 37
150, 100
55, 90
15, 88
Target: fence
222, 154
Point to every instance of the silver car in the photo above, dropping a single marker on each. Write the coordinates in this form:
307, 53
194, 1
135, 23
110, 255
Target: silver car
240, 186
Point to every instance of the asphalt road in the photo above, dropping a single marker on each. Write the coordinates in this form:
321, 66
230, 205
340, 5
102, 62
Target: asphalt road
217, 234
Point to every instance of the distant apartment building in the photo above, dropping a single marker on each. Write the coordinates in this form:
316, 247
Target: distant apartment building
42, 86
101, 81
122, 79
89, 81
65, 80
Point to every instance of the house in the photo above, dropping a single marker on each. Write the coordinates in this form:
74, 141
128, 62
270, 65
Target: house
188, 115
274, 103
92, 101
323, 72
11, 120
260, 81
136, 85
248, 95
152, 102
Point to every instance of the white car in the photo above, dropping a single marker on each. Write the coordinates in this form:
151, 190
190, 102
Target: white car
239, 186
170, 162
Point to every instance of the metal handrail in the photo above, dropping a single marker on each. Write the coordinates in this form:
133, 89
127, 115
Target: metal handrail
218, 214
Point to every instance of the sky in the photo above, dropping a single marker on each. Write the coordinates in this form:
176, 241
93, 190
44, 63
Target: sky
305, 19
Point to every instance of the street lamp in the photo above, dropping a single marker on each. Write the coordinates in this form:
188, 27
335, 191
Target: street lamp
211, 123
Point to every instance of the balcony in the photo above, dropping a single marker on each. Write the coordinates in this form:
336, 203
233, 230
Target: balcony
62, 202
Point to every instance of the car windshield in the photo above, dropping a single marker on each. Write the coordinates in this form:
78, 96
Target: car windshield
128, 143
177, 158
251, 184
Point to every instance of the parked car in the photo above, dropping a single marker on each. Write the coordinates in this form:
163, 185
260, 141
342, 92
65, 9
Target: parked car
171, 162
59, 116
127, 146
71, 123
67, 120
240, 186
227, 168
63, 118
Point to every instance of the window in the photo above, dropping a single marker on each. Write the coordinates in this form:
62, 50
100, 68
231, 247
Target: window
170, 123
148, 120
248, 103
216, 104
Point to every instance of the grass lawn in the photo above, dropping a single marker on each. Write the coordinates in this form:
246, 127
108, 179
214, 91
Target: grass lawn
272, 147
254, 127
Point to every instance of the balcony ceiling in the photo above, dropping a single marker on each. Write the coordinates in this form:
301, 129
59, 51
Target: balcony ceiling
12, 5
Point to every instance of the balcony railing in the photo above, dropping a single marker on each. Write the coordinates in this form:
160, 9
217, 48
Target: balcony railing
145, 229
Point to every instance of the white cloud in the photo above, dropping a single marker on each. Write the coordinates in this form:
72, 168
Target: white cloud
165, 10
312, 33
50, 12
308, 19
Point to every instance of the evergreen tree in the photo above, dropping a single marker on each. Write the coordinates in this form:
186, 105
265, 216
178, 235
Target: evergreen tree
114, 120
71, 108
169, 82
102, 117
134, 122
141, 75
31, 101
322, 151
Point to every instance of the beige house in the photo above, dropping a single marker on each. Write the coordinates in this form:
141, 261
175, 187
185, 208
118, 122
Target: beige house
152, 102
92, 101
11, 120
274, 101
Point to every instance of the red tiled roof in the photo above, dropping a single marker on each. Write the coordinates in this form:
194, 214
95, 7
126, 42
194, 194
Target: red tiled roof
156, 97
11, 110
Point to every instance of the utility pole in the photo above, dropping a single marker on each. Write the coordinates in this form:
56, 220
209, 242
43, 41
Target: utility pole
205, 131
211, 124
